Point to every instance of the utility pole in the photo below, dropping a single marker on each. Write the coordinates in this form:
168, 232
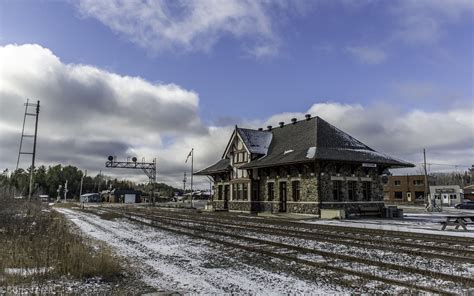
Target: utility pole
65, 191
426, 178
34, 150
59, 192
33, 154
82, 180
184, 184
192, 171
100, 179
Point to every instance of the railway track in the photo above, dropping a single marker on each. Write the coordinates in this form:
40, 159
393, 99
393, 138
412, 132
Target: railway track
452, 252
220, 233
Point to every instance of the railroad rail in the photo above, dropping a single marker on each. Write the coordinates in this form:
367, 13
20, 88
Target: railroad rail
334, 239
447, 251
290, 252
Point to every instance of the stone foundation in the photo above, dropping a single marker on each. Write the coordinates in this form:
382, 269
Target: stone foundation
302, 208
218, 204
241, 206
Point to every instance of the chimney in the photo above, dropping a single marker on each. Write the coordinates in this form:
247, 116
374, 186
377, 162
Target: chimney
260, 129
293, 120
269, 127
308, 116
281, 123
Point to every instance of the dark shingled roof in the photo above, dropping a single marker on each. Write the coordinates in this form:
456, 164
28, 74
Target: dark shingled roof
304, 141
314, 139
256, 141
222, 165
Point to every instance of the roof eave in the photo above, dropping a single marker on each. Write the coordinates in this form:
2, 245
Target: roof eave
208, 173
391, 165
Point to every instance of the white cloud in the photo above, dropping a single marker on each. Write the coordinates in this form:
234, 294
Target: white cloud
88, 113
422, 21
187, 25
447, 135
367, 55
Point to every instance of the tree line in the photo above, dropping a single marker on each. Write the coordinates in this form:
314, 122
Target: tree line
46, 181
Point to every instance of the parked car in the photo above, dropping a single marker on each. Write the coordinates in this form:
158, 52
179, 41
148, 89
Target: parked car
465, 205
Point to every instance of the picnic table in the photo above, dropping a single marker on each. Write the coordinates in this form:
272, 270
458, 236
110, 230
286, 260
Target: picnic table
458, 221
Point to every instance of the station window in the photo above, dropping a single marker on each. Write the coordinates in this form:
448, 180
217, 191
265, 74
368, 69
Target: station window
418, 182
271, 191
337, 190
234, 191
398, 195
420, 195
397, 182
295, 187
219, 192
367, 190
351, 190
244, 191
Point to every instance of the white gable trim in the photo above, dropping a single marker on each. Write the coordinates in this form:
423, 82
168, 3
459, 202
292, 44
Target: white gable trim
232, 138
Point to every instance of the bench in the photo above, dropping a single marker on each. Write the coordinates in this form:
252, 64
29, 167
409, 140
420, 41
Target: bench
458, 221
370, 211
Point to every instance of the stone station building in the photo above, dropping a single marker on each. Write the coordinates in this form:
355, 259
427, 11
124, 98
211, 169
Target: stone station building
300, 167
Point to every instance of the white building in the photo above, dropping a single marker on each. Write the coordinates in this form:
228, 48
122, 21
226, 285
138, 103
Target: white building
448, 194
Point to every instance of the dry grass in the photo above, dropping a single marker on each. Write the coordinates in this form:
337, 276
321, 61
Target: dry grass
40, 241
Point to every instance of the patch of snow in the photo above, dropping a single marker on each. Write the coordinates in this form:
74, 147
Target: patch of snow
408, 225
287, 151
26, 271
311, 152
179, 263
256, 141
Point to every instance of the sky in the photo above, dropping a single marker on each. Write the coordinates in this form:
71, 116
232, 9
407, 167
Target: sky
157, 78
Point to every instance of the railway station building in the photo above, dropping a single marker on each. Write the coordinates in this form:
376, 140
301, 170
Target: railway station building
299, 167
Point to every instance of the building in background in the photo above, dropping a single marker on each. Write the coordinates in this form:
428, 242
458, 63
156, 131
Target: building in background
300, 167
405, 189
123, 196
449, 195
469, 192
91, 197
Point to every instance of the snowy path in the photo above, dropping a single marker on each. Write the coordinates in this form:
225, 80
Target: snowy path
169, 262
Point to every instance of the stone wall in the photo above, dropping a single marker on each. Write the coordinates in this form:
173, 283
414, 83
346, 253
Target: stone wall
316, 188
303, 208
218, 204
307, 202
242, 206
344, 173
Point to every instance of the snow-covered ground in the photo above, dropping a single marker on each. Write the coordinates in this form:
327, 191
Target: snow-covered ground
169, 262
428, 223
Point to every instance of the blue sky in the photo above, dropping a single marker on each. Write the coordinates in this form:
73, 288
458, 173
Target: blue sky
249, 61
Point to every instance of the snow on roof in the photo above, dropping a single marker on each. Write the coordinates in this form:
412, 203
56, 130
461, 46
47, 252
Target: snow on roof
311, 152
256, 141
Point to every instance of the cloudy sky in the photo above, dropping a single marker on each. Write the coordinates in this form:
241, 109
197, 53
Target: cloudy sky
157, 78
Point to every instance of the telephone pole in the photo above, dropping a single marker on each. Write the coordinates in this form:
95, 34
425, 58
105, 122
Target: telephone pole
426, 177
34, 136
184, 184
